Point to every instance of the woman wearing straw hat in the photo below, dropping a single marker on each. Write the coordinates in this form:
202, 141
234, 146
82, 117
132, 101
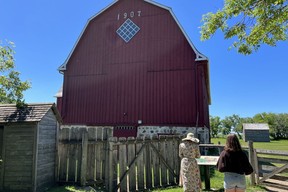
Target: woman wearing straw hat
190, 173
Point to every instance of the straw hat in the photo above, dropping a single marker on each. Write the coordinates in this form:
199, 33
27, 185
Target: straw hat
190, 137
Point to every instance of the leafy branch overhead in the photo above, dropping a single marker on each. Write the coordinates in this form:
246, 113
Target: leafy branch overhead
252, 22
11, 87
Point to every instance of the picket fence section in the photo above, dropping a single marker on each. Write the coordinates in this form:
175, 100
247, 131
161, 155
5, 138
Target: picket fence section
92, 156
75, 155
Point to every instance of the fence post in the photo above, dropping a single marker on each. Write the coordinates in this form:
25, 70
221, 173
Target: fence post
256, 167
84, 158
148, 172
109, 169
252, 161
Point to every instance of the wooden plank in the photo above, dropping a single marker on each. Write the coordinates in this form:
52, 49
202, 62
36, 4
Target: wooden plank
84, 158
256, 167
71, 160
109, 165
98, 155
177, 159
140, 166
92, 133
90, 163
148, 168
278, 170
170, 160
155, 166
78, 156
252, 161
131, 157
99, 135
163, 153
122, 164
272, 160
272, 152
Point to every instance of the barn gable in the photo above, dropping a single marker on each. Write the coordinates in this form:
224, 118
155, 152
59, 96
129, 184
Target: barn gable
133, 65
199, 56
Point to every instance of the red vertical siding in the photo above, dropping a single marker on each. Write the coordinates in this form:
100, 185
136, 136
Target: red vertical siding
152, 78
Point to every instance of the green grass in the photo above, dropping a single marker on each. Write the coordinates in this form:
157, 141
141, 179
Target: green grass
280, 145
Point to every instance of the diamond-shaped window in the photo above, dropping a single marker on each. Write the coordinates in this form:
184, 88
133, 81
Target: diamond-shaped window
127, 30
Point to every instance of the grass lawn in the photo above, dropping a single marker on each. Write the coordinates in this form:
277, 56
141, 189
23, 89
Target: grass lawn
272, 145
216, 183
217, 178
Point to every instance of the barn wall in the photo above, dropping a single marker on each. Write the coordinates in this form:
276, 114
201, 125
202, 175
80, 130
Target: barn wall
46, 151
18, 165
152, 78
202, 133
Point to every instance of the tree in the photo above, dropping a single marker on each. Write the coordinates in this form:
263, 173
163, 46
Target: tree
252, 22
215, 125
226, 126
11, 87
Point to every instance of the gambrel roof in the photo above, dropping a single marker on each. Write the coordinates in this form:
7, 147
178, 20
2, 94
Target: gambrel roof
199, 56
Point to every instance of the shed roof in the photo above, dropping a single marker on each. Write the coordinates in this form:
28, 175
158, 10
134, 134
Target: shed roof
27, 113
256, 126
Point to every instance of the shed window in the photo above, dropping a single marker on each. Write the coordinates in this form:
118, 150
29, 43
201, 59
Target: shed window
127, 30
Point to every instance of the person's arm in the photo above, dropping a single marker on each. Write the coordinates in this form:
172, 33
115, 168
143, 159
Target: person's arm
221, 164
180, 151
248, 167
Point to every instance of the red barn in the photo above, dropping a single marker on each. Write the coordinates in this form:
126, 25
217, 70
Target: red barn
135, 69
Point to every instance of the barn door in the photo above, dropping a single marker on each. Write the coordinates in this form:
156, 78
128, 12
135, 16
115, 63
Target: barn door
1, 155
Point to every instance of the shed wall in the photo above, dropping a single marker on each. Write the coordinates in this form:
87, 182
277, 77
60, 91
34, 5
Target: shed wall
1, 155
18, 160
152, 78
46, 158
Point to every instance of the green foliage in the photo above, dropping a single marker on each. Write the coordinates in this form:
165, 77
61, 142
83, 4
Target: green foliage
11, 87
215, 126
252, 22
278, 124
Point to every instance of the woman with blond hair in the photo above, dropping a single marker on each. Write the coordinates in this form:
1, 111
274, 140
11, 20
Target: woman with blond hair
234, 163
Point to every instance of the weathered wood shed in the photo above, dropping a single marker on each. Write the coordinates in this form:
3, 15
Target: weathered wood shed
257, 132
28, 147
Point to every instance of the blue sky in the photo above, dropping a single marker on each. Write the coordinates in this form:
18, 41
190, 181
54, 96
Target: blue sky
45, 31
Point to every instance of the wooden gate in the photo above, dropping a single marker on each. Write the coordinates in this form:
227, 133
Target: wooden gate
91, 156
139, 164
271, 164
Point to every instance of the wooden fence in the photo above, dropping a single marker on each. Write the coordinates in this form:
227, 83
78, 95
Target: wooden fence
271, 167
92, 156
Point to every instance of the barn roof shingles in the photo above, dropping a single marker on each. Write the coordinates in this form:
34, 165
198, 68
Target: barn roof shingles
27, 113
